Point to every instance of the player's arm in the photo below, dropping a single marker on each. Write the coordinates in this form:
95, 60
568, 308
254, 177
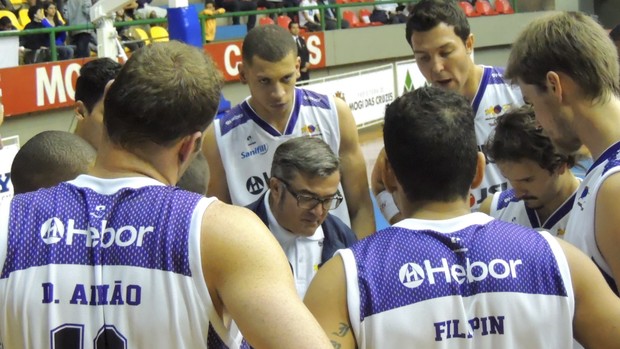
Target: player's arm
327, 300
607, 223
354, 177
217, 186
596, 322
248, 275
385, 200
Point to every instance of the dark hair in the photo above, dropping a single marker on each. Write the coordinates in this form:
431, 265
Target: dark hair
165, 91
427, 14
94, 75
196, 177
33, 11
309, 156
614, 34
518, 136
269, 42
49, 158
46, 5
430, 143
290, 24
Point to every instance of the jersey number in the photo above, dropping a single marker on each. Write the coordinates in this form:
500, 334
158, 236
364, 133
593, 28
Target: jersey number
71, 336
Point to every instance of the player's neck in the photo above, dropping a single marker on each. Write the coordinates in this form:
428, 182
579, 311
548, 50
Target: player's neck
568, 186
114, 161
277, 120
435, 210
598, 125
473, 82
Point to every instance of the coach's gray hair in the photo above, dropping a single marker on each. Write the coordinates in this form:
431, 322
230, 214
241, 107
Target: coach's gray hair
309, 156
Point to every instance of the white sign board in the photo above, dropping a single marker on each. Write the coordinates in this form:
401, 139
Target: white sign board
10, 147
408, 76
367, 92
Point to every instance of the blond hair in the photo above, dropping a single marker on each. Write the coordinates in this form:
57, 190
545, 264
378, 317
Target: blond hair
571, 43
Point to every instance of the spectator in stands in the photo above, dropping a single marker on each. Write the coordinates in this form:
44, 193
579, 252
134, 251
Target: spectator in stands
35, 43
388, 13
330, 17
211, 24
239, 5
49, 158
303, 188
52, 19
89, 88
78, 12
6, 24
310, 18
126, 34
146, 10
302, 52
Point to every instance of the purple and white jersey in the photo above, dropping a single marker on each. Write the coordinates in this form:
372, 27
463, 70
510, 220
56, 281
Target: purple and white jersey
508, 208
247, 143
580, 228
466, 282
495, 97
106, 263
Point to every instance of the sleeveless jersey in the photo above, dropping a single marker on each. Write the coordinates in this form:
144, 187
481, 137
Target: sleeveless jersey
580, 228
247, 143
106, 263
495, 96
508, 208
467, 282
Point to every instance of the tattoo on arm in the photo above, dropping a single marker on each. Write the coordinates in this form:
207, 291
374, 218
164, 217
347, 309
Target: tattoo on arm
336, 345
342, 330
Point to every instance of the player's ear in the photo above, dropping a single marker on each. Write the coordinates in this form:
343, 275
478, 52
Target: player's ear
79, 110
242, 77
480, 165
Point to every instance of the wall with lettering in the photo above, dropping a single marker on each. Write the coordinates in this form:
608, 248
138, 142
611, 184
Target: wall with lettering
46, 86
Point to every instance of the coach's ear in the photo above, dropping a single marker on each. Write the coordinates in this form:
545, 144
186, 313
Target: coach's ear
480, 165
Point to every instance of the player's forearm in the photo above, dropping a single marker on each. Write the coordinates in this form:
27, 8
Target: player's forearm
363, 219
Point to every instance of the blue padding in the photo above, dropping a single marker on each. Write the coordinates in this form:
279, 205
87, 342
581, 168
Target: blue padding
183, 25
230, 32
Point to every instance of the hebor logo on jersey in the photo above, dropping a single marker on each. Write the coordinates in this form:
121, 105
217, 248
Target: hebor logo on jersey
259, 150
412, 275
53, 231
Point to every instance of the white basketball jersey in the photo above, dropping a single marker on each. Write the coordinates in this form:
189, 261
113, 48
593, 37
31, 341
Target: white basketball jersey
580, 228
106, 263
495, 97
467, 282
247, 143
508, 208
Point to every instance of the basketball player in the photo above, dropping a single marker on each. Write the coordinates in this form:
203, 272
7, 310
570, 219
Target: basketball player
49, 158
445, 277
122, 259
439, 34
543, 185
239, 147
567, 68
89, 88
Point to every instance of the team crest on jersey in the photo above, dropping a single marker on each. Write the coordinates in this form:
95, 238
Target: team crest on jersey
493, 112
310, 130
582, 199
250, 141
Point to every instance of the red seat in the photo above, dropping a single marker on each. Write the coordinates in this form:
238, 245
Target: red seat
353, 20
342, 1
265, 21
503, 7
484, 8
283, 21
468, 9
